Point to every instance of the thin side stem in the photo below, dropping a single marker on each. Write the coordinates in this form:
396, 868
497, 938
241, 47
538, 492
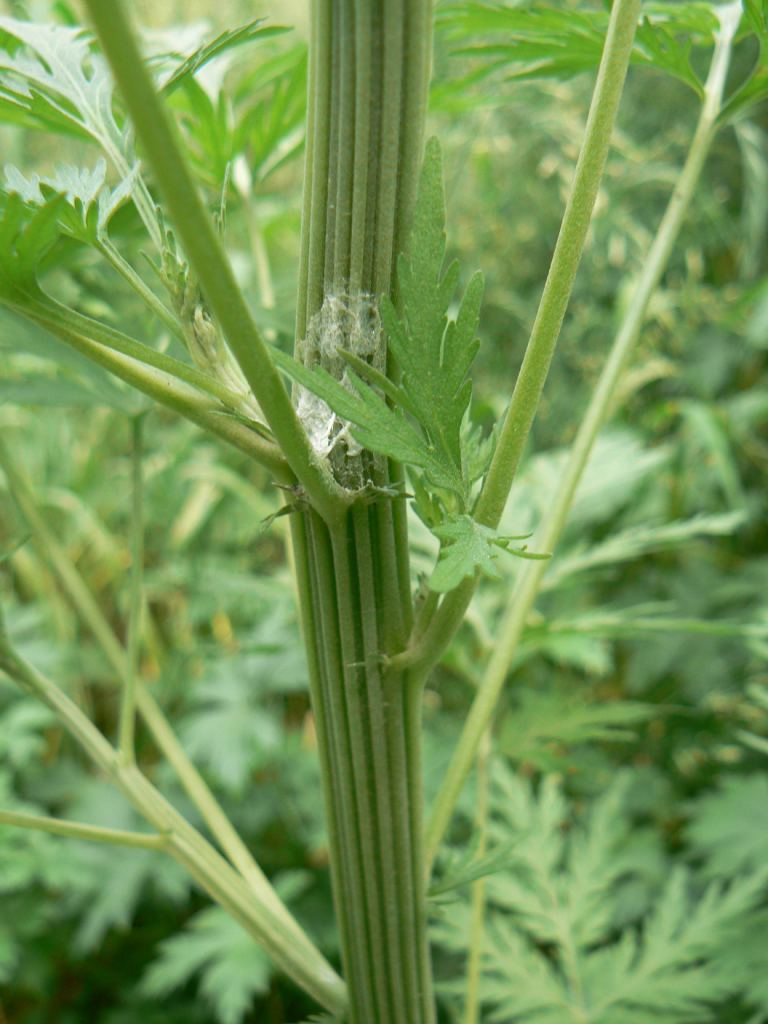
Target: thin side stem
565, 262
77, 830
149, 372
127, 725
55, 317
478, 901
87, 607
524, 595
198, 791
145, 293
300, 960
630, 627
435, 630
206, 253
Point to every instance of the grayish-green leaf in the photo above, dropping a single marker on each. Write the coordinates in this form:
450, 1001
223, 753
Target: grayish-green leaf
559, 947
90, 202
51, 78
230, 968
469, 547
545, 721
530, 41
729, 827
216, 47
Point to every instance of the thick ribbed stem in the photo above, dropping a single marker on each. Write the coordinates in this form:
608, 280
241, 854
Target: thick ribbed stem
369, 65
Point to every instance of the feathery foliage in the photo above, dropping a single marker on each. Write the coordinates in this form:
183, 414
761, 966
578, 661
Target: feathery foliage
584, 922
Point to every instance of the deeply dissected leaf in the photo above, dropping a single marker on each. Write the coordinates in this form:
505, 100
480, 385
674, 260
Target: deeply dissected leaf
469, 547
270, 131
636, 541
742, 958
229, 732
230, 967
672, 970
105, 907
39, 215
586, 651
26, 240
753, 89
559, 880
249, 131
729, 828
133, 876
434, 355
544, 724
620, 467
233, 727
559, 947
51, 77
90, 202
539, 41
220, 44
546, 41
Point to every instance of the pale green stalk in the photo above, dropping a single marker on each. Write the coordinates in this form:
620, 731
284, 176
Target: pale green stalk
206, 254
282, 941
608, 626
77, 830
127, 725
478, 900
565, 262
87, 607
58, 319
522, 599
435, 629
182, 388
145, 293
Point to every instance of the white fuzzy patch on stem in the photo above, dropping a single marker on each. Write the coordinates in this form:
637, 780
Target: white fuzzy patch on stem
348, 323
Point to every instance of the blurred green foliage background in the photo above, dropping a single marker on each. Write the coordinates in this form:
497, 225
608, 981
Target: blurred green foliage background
670, 522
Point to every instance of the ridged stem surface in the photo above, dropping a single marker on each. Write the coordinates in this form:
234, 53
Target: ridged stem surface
369, 65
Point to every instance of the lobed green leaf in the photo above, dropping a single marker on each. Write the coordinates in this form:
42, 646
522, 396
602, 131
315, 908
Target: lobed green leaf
469, 547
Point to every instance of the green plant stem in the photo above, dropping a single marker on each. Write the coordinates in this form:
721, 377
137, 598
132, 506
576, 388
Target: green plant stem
201, 796
160, 377
369, 752
436, 629
206, 253
56, 318
299, 959
127, 725
77, 830
259, 252
606, 626
87, 607
478, 900
565, 262
368, 73
145, 293
522, 599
